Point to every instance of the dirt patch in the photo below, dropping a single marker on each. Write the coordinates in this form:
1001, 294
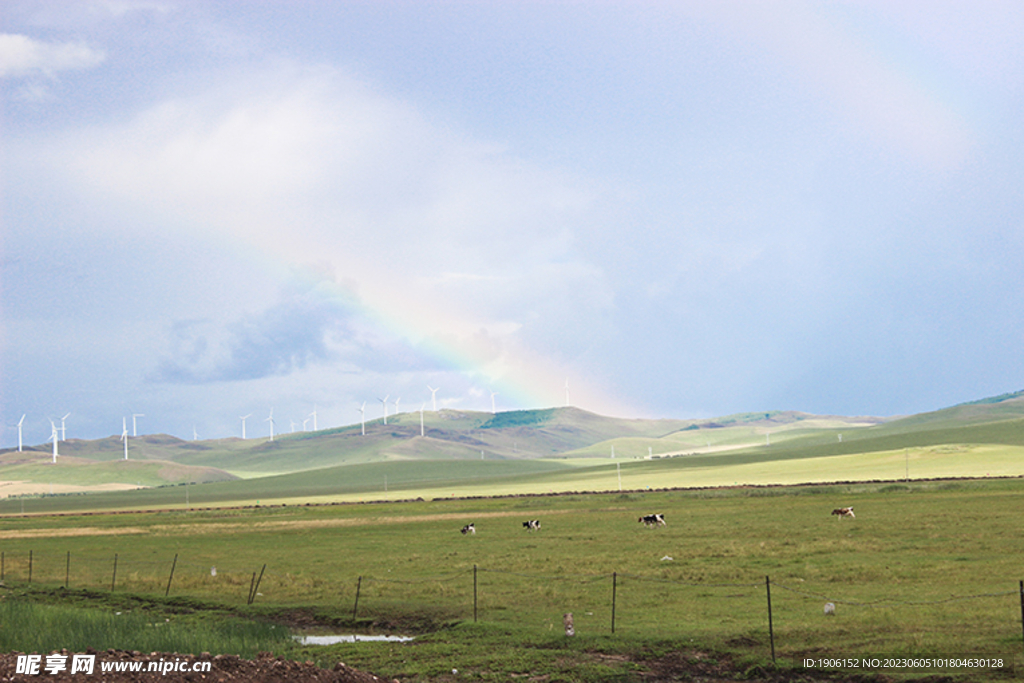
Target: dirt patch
265, 668
21, 488
712, 667
66, 532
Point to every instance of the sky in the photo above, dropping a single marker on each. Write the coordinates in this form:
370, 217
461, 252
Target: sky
214, 209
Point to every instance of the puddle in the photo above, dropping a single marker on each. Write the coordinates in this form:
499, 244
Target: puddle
333, 639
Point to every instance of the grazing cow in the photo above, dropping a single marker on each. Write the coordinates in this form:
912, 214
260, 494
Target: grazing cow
655, 520
531, 525
468, 529
844, 512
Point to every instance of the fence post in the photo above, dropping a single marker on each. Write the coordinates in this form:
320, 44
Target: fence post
252, 584
355, 607
171, 577
771, 631
2, 565
614, 582
113, 579
252, 598
67, 571
30, 566
474, 593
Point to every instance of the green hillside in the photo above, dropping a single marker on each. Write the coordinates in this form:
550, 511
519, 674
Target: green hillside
537, 451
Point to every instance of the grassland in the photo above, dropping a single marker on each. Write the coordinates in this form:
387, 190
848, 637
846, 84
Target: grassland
926, 568
929, 567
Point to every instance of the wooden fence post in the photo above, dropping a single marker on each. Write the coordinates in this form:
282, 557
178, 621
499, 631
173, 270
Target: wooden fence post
171, 577
614, 582
474, 593
113, 579
355, 607
30, 566
771, 631
252, 598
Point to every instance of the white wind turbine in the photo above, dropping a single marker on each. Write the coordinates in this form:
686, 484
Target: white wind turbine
292, 423
135, 428
362, 418
421, 418
313, 415
63, 430
384, 402
195, 435
493, 410
243, 418
20, 422
566, 392
397, 400
271, 421
124, 435
433, 397
54, 437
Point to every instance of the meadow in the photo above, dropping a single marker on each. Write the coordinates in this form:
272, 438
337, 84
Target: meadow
927, 568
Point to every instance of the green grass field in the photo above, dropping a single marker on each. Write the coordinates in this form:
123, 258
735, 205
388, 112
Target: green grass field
925, 569
929, 567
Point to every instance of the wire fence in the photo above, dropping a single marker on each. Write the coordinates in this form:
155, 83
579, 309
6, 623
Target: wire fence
602, 603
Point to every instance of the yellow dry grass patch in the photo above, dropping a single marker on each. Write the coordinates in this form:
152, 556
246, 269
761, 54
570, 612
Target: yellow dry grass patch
194, 528
20, 488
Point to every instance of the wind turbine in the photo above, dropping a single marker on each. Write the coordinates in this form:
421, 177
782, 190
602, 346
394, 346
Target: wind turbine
124, 435
421, 418
135, 429
493, 410
292, 423
313, 415
195, 435
304, 423
55, 439
243, 419
566, 392
20, 422
362, 417
271, 421
384, 402
396, 404
433, 397
64, 433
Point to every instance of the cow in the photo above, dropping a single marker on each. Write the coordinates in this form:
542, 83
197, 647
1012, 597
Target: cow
844, 512
531, 525
655, 520
468, 529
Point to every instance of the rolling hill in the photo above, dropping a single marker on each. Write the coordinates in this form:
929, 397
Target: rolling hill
541, 450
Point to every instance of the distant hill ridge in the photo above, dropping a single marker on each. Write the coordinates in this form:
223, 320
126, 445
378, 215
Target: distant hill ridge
518, 435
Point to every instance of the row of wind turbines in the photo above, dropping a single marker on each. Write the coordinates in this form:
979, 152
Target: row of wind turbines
270, 420
63, 435
362, 414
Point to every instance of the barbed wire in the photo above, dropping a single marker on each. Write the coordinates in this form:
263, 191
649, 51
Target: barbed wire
889, 602
694, 584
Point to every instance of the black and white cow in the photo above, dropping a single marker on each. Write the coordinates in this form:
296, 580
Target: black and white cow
844, 512
531, 525
655, 520
468, 529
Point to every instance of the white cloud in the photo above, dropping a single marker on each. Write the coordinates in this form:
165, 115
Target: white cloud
24, 56
310, 165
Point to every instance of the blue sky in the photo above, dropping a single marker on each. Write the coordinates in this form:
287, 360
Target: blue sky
679, 209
